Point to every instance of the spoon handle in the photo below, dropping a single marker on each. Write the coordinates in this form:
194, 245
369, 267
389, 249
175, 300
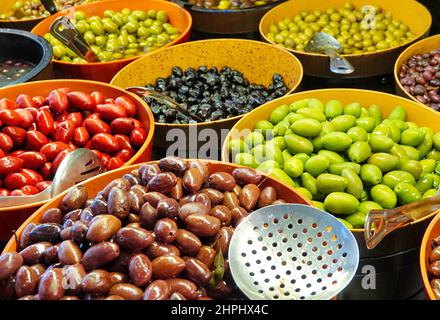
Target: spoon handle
50, 6
338, 64
379, 223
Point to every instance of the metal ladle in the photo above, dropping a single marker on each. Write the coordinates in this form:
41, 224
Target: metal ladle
64, 30
380, 223
325, 43
164, 99
79, 165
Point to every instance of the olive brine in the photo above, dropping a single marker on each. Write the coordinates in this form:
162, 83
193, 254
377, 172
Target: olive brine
211, 94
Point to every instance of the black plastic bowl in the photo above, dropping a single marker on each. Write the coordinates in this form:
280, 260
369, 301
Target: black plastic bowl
23, 45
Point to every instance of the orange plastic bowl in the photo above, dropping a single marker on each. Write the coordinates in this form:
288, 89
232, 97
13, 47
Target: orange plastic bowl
12, 217
425, 251
96, 184
104, 71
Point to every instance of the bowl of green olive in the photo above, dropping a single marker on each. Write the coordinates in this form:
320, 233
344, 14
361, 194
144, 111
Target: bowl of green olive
26, 14
119, 32
372, 33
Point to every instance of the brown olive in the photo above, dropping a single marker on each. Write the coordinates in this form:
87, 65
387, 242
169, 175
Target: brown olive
158, 249
162, 182
126, 291
9, 264
168, 208
121, 183
52, 215
86, 214
168, 266
204, 199
222, 181
192, 180
220, 291
434, 269
183, 286
148, 216
99, 255
136, 200
114, 297
71, 217
201, 166
153, 198
165, 230
231, 200
7, 288
237, 215
73, 276
436, 242
215, 195
118, 277
66, 234
132, 239
249, 196
207, 255
245, 176
435, 255
192, 208
140, 270
118, 203
157, 290
49, 232
51, 254
74, 199
132, 179
237, 190
103, 227
177, 296
202, 225
120, 264
24, 238
38, 268
78, 231
279, 201
222, 213
177, 191
69, 253
50, 286
435, 285
187, 242
97, 282
173, 164
99, 206
196, 271
267, 196
223, 239
35, 252
148, 171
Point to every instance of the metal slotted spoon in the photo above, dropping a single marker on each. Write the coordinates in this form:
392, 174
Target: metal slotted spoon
79, 165
292, 252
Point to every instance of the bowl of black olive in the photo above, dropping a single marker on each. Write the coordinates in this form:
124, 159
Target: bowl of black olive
217, 81
23, 57
227, 17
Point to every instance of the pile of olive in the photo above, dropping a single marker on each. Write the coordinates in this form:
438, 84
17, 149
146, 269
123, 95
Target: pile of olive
211, 94
230, 4
33, 9
348, 159
160, 232
420, 76
363, 29
118, 35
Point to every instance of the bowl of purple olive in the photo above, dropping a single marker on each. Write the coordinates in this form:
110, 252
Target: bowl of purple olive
23, 57
417, 72
216, 82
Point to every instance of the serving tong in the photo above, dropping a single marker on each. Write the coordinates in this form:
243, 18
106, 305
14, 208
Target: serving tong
79, 165
64, 30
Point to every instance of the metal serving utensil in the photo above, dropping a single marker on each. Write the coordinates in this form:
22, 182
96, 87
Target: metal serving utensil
79, 165
325, 43
380, 223
50, 6
292, 251
162, 98
64, 30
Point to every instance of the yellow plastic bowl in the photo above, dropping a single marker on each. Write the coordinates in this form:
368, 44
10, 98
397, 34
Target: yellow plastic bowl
420, 47
416, 113
12, 217
257, 60
410, 12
